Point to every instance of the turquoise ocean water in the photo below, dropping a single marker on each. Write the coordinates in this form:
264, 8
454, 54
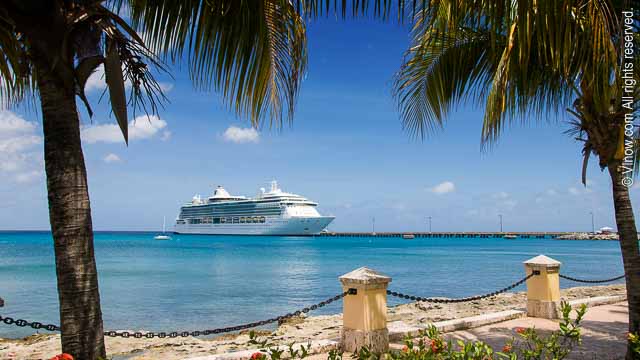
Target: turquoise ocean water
203, 282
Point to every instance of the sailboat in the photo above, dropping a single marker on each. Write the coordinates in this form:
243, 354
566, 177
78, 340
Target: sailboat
164, 235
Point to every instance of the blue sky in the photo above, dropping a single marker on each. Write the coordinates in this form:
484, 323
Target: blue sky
345, 150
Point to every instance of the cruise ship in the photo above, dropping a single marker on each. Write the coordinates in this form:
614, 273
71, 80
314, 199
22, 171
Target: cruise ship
270, 213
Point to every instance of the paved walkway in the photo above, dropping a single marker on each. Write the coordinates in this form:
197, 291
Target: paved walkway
604, 332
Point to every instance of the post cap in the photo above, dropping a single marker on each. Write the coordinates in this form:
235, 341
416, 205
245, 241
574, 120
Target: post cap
543, 261
364, 276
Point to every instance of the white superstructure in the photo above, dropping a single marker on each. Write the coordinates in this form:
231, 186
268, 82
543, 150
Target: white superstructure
271, 213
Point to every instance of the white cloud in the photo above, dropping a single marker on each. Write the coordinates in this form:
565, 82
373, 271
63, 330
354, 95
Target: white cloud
509, 204
20, 148
96, 82
165, 87
580, 190
28, 177
12, 124
142, 127
166, 135
241, 135
110, 158
443, 188
501, 195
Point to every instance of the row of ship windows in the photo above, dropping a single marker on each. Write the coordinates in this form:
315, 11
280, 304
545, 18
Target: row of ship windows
234, 213
224, 220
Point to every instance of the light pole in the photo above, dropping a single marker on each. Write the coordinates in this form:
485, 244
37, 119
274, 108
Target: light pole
593, 223
500, 215
373, 225
429, 224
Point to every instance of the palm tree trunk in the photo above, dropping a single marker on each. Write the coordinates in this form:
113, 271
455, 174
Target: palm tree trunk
629, 245
70, 217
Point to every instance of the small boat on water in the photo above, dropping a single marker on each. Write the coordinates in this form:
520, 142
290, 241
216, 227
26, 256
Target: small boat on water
408, 236
164, 235
510, 236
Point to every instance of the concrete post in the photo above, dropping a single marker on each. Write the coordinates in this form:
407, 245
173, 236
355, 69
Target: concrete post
543, 290
365, 314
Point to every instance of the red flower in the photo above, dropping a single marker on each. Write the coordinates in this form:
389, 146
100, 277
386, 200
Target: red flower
435, 346
255, 356
64, 356
405, 349
506, 348
521, 330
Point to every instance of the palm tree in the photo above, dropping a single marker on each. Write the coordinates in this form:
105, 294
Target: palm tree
529, 60
252, 52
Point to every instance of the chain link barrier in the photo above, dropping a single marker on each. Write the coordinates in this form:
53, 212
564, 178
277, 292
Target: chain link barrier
149, 335
591, 281
466, 299
22, 323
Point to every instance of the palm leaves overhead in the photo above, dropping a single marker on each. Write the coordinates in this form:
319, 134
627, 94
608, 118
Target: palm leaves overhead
523, 59
92, 36
15, 81
253, 52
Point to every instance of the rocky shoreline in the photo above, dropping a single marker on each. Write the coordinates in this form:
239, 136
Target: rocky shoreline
44, 346
587, 236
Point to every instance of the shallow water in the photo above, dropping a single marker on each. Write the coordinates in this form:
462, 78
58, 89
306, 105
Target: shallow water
203, 282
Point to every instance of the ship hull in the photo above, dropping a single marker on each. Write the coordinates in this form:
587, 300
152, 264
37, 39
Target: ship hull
292, 226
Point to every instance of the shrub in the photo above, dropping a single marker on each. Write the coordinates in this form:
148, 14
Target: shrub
634, 340
273, 352
527, 345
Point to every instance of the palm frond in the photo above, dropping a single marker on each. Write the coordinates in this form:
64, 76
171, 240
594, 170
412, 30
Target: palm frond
538, 56
439, 73
253, 52
16, 80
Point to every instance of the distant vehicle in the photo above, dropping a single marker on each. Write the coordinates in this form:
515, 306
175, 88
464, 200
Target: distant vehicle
408, 236
163, 236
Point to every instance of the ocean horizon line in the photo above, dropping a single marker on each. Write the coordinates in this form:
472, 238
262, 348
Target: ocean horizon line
341, 231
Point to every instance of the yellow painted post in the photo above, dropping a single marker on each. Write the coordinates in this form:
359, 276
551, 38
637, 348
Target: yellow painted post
365, 313
543, 290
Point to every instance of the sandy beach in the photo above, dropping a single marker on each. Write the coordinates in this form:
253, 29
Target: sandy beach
43, 346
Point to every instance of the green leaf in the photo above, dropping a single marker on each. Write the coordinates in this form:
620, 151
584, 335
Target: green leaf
115, 83
85, 68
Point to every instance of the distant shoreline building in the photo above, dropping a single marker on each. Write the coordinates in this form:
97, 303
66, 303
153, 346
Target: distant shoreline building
605, 230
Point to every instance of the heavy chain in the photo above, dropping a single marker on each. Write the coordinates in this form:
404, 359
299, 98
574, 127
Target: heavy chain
138, 335
471, 298
22, 323
591, 281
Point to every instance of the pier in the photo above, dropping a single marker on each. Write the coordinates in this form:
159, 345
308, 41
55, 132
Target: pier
454, 235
